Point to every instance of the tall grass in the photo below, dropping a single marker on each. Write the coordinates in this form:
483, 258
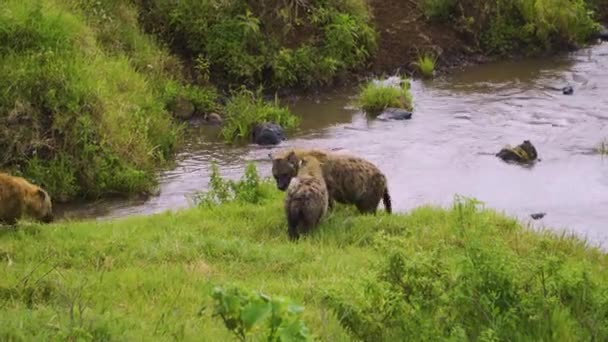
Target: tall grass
75, 119
505, 26
426, 65
602, 148
247, 108
375, 97
460, 273
275, 43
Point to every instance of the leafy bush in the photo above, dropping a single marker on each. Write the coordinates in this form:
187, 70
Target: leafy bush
72, 118
275, 43
438, 9
376, 96
249, 314
473, 288
246, 108
506, 26
249, 189
204, 99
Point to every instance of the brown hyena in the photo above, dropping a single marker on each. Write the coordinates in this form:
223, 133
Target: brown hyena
307, 197
18, 198
349, 179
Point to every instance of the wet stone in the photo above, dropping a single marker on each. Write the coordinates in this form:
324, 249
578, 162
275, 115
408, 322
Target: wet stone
395, 114
268, 134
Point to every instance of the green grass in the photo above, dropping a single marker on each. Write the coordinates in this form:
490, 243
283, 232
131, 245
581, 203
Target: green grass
529, 26
375, 97
77, 118
246, 108
460, 273
426, 65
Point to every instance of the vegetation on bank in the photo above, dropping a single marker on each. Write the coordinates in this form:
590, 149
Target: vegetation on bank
246, 108
76, 116
462, 273
376, 95
426, 65
508, 26
275, 43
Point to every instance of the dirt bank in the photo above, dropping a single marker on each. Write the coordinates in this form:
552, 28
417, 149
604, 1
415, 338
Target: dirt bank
404, 33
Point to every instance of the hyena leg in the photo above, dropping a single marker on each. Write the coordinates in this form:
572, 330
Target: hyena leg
292, 228
368, 206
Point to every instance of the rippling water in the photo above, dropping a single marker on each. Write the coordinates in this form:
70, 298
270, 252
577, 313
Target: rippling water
460, 122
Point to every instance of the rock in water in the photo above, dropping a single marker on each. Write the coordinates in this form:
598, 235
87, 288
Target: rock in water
267, 133
524, 153
568, 90
395, 114
538, 216
183, 108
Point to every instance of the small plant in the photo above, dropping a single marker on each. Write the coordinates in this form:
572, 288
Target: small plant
246, 108
440, 10
426, 65
375, 97
249, 314
602, 148
249, 189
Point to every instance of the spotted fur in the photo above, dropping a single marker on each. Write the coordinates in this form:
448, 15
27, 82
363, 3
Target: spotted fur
349, 179
19, 198
307, 197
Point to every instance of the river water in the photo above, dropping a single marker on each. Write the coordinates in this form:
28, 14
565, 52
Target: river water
460, 121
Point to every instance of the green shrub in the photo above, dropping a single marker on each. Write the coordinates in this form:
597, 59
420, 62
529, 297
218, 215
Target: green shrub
74, 119
246, 108
438, 9
276, 43
505, 26
249, 314
473, 286
204, 99
426, 65
375, 97
249, 189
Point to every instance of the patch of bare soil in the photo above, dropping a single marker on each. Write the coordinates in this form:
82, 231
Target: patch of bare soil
405, 33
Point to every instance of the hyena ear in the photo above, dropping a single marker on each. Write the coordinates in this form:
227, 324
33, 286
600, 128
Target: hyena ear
292, 158
41, 194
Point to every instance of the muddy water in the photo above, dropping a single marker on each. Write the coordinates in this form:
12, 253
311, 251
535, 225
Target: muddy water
448, 148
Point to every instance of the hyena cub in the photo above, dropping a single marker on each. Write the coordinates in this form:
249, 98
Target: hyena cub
307, 197
349, 179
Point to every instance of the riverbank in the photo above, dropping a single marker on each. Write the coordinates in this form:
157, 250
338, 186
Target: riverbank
129, 74
460, 272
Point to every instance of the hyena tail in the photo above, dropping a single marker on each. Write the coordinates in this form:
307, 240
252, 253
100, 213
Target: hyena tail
386, 199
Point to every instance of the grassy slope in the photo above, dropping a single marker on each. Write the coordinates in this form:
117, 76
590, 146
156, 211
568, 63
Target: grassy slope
146, 278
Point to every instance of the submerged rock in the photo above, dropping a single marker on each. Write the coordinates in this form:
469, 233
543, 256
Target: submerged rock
523, 153
538, 216
183, 108
395, 114
568, 90
267, 133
